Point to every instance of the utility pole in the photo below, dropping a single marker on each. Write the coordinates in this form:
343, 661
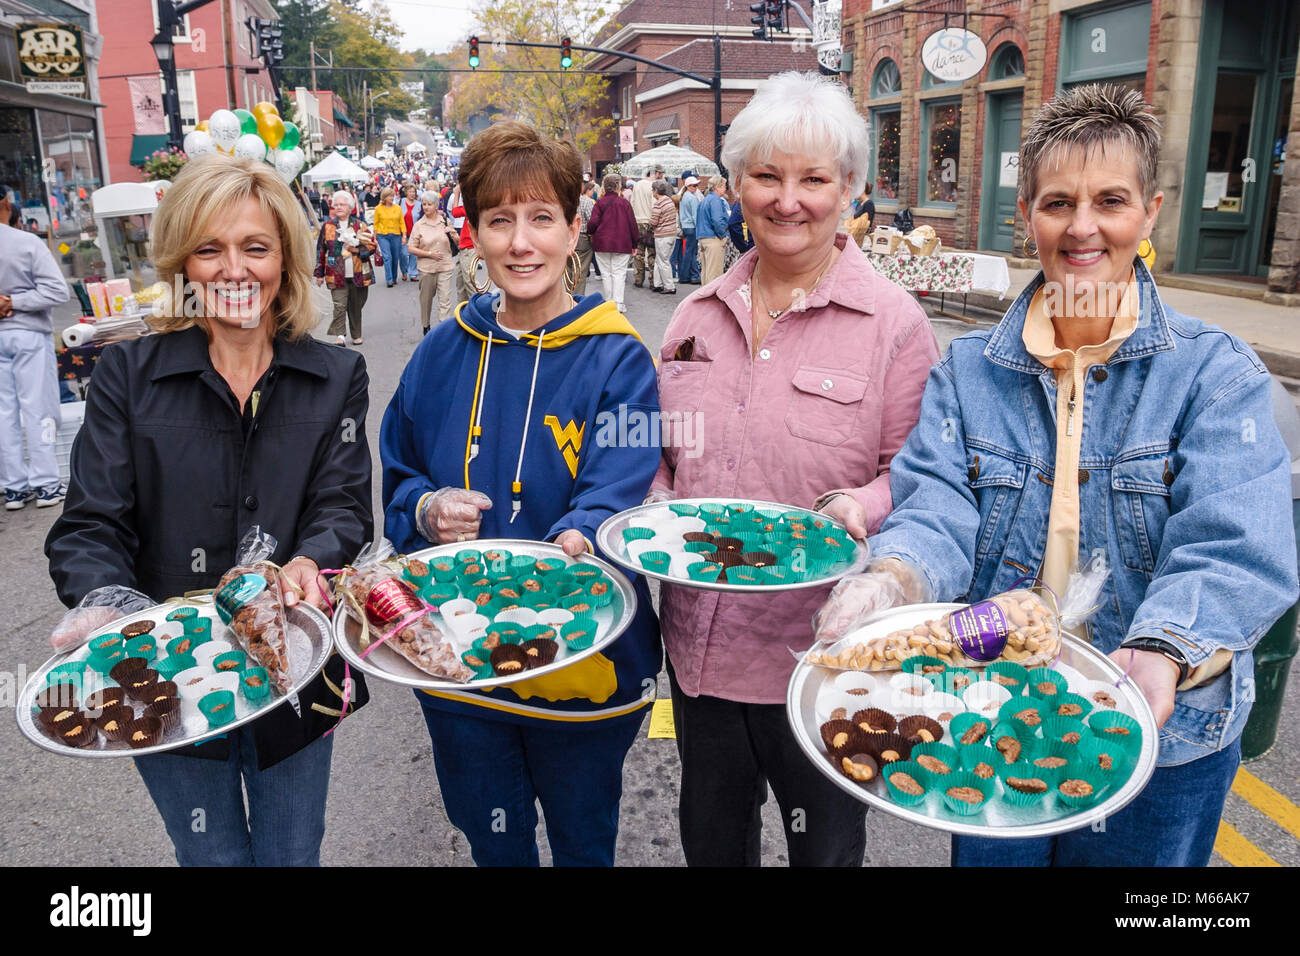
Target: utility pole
365, 117
313, 65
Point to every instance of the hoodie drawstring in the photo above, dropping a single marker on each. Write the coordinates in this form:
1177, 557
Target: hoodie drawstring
517, 486
477, 430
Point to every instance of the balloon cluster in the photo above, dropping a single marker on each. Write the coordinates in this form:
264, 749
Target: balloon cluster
260, 134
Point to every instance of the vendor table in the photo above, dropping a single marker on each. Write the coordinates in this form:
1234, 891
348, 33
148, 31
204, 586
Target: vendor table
959, 272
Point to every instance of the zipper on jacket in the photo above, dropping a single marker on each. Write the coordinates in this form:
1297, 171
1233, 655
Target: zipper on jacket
1069, 418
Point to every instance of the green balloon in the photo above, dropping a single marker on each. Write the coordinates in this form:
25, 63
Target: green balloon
247, 122
291, 136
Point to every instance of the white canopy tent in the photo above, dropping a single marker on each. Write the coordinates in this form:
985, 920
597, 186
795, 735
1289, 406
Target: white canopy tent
335, 168
674, 159
415, 148
369, 162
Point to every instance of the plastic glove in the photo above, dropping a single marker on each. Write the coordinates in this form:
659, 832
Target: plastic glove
846, 510
656, 495
99, 607
888, 583
450, 515
572, 542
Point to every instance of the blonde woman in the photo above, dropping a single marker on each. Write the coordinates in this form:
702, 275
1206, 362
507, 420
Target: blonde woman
231, 416
390, 227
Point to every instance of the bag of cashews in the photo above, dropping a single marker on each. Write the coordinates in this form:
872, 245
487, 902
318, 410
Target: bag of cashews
1017, 625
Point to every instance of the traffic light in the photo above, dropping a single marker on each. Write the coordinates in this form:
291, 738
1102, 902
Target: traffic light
759, 19
473, 53
269, 45
566, 53
776, 14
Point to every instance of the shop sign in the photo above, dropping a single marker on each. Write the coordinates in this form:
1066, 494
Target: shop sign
953, 54
51, 57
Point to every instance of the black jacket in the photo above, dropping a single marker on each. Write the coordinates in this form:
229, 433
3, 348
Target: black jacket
164, 483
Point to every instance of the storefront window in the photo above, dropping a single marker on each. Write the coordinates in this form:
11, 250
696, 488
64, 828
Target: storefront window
885, 126
1234, 105
72, 174
19, 169
942, 127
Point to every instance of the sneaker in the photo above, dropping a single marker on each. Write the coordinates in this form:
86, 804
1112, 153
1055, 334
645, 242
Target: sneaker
49, 496
356, 341
341, 341
15, 500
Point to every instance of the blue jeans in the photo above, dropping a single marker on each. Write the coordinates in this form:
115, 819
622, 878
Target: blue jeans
410, 266
390, 245
1173, 822
202, 804
685, 263
492, 773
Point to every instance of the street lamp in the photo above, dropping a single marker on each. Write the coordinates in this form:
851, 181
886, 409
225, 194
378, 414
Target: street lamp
615, 115
165, 50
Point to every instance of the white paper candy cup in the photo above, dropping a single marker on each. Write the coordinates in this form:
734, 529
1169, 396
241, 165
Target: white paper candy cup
985, 697
905, 682
555, 617
228, 680
653, 518
902, 704
939, 703
639, 546
830, 699
1072, 676
1087, 688
467, 628
204, 653
680, 526
523, 616
457, 606
681, 563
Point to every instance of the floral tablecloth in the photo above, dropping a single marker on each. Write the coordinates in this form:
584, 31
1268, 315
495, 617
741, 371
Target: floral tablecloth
959, 272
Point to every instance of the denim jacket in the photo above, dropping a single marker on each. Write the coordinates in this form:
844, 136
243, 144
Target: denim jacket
1184, 484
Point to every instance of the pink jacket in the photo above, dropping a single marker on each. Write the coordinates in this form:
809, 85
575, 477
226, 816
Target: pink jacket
825, 405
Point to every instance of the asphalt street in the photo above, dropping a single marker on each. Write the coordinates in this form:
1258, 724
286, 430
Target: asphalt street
384, 805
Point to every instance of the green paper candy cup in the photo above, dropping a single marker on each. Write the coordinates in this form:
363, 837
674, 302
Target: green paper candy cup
585, 574
578, 635
218, 707
146, 646
601, 592
478, 661
443, 570
468, 556
770, 515
105, 661
183, 645
913, 770
939, 751
700, 547
965, 780
523, 565
233, 661
1022, 710
657, 561
964, 722
1051, 760
683, 510
954, 680
1020, 770
776, 574
712, 509
417, 572
1068, 790
704, 571
1108, 759
200, 628
438, 594
749, 540
743, 575
916, 665
1045, 682
719, 527
108, 643
183, 614
1055, 729
739, 508
497, 560
1111, 725
173, 664
255, 683
969, 756
69, 672
1009, 670
1067, 705
547, 567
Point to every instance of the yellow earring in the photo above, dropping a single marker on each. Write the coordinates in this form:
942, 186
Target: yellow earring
1147, 253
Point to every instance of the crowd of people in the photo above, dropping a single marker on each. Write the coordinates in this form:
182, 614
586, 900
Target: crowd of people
1026, 448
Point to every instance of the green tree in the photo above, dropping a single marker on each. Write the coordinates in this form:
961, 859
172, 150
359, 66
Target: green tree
304, 22
436, 80
564, 104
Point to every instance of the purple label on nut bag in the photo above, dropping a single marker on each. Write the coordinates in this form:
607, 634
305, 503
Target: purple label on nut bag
981, 630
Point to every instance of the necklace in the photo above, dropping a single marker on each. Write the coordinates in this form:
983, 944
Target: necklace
777, 313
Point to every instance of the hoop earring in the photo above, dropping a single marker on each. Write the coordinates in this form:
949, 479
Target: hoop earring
1146, 250
1024, 247
572, 272
473, 275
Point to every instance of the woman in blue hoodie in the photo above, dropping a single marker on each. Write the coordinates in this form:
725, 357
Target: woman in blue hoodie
498, 430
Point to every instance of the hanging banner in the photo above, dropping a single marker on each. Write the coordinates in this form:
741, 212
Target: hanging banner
626, 139
147, 105
953, 54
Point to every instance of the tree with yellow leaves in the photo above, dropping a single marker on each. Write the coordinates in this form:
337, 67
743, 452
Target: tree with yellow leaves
559, 102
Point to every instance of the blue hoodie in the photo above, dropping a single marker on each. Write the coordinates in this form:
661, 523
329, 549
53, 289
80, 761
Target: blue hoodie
591, 362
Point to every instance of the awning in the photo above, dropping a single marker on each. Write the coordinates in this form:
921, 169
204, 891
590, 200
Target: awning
662, 126
340, 118
143, 146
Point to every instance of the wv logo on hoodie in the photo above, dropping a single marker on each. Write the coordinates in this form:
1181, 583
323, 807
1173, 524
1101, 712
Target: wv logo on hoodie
568, 440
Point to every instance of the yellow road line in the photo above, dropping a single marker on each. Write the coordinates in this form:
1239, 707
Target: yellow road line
1267, 801
1239, 851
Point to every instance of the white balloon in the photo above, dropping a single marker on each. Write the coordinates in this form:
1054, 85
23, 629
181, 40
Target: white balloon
249, 145
288, 162
197, 143
225, 129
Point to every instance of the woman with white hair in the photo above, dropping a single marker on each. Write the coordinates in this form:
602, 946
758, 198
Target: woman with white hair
806, 368
433, 242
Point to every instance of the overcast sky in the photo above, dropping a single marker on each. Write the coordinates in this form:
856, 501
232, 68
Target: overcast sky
435, 25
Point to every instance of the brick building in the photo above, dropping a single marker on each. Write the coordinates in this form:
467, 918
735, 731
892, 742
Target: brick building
1222, 81
660, 107
215, 68
337, 129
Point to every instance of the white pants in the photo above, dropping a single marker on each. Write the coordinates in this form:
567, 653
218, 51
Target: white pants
29, 404
663, 278
613, 276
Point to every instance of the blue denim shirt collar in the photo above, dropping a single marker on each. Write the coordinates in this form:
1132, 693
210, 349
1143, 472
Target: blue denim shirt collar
1007, 346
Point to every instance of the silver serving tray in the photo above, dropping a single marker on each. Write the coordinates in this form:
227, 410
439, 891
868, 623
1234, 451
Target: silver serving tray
998, 819
387, 664
609, 538
308, 629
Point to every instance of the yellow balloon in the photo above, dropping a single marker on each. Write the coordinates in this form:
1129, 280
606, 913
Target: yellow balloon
264, 109
271, 129
202, 126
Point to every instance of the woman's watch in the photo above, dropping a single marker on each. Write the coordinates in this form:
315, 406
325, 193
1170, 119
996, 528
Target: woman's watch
1157, 646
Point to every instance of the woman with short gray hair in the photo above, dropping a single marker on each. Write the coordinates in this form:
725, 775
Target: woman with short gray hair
663, 221
805, 368
1095, 419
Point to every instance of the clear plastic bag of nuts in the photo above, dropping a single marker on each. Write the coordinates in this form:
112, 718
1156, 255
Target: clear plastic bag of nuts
1018, 625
